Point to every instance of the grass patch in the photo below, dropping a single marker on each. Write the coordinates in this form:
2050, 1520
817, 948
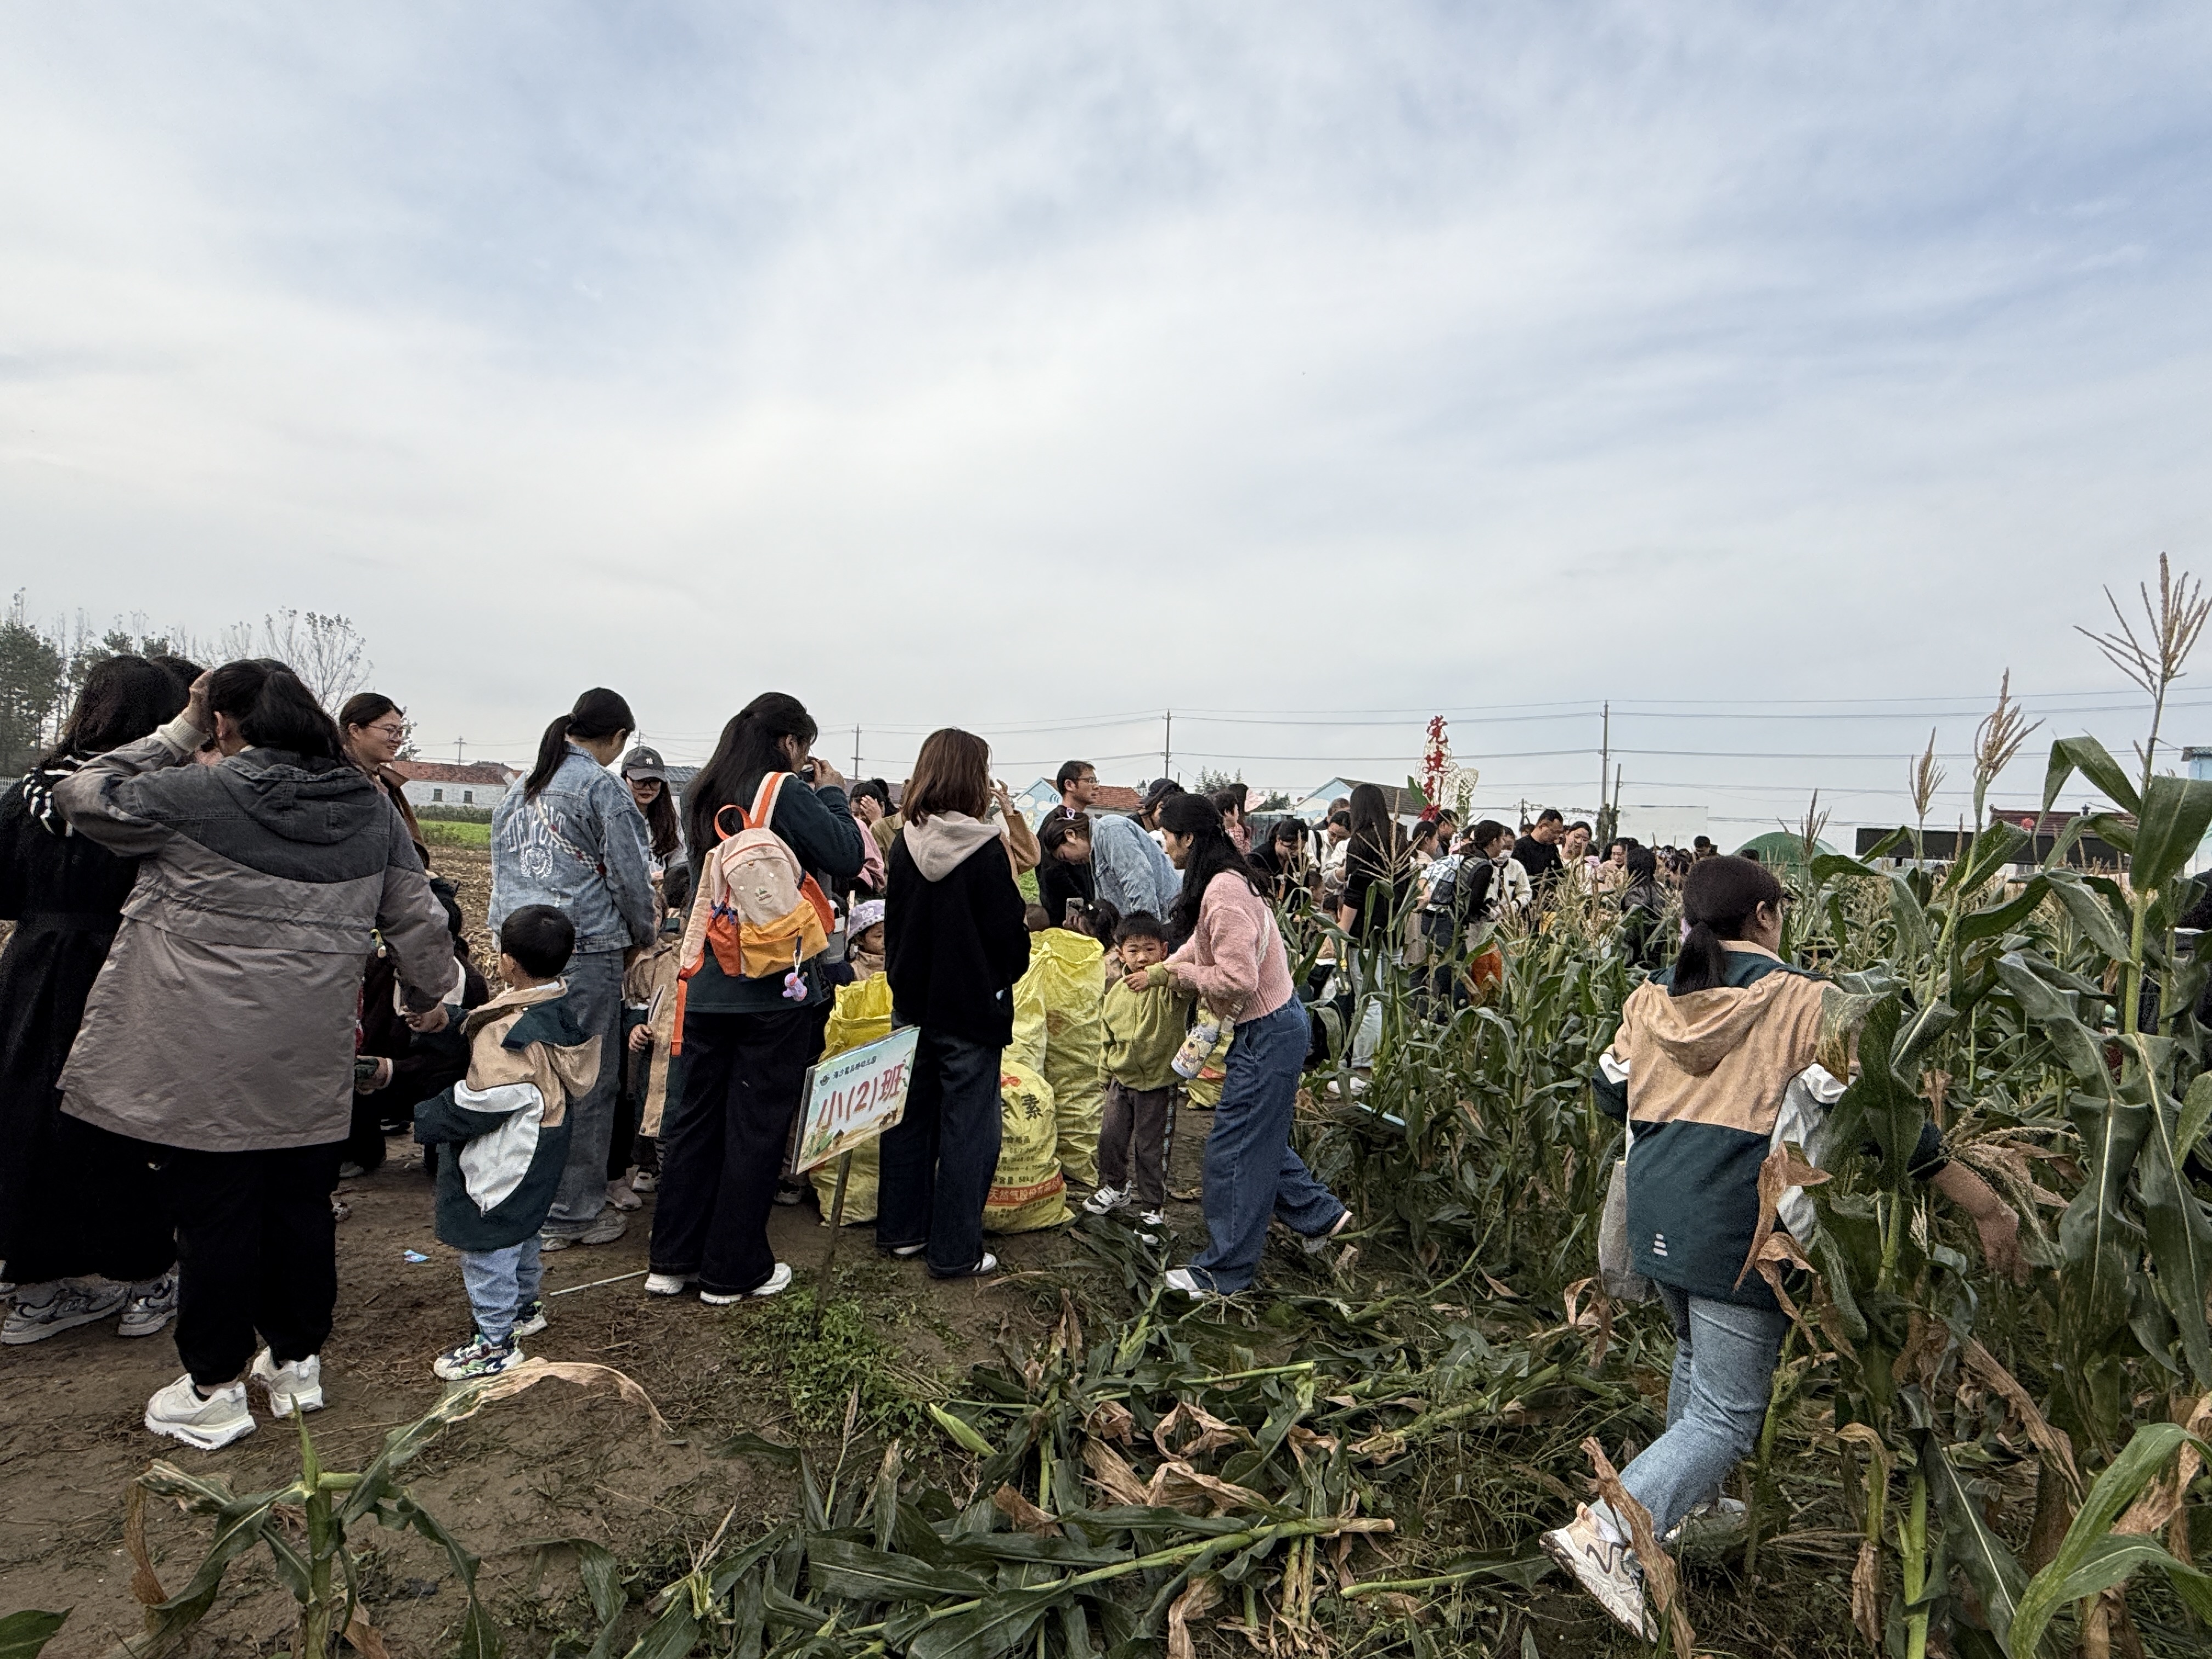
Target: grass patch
444, 833
819, 1361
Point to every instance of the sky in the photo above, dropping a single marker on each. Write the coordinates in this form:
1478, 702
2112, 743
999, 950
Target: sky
1781, 376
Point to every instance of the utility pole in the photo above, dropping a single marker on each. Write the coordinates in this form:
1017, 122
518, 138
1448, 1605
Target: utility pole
856, 750
1167, 745
458, 743
1604, 758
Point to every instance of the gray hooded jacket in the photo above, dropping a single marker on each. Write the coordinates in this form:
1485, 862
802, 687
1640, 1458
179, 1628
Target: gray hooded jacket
223, 1020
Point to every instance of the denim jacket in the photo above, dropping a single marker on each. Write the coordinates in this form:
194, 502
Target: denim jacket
581, 846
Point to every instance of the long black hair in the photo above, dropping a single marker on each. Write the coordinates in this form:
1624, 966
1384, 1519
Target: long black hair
1374, 831
274, 710
662, 830
123, 699
1721, 897
599, 713
750, 749
1212, 852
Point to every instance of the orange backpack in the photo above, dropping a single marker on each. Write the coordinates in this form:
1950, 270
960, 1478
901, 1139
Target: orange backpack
756, 908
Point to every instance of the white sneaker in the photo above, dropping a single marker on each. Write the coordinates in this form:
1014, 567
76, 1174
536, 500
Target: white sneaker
668, 1283
296, 1382
1155, 1218
644, 1180
1607, 1570
775, 1283
1183, 1280
619, 1195
1715, 1515
531, 1319
1105, 1200
182, 1413
66, 1306
152, 1305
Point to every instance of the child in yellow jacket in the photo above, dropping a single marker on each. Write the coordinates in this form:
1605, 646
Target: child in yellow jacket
1142, 1032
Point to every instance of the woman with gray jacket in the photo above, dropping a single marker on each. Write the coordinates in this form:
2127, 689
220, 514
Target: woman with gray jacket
221, 1031
570, 836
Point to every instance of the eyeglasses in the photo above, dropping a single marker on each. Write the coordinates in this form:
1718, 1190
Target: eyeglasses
389, 729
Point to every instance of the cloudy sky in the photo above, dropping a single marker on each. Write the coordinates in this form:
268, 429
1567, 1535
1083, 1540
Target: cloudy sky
1781, 375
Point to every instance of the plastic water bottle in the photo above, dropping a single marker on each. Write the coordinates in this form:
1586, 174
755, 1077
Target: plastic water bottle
1200, 1042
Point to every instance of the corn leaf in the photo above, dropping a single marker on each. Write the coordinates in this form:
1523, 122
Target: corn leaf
2180, 1233
983, 1632
1997, 1576
2176, 812
961, 1432
2093, 1235
859, 1574
2089, 758
22, 1634
2088, 911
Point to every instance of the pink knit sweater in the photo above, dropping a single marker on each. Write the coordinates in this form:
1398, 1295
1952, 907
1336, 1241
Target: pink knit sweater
1234, 959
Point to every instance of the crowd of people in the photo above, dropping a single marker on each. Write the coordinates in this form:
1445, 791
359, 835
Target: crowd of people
232, 975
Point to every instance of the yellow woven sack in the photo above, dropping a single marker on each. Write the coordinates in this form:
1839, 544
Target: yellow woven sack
1067, 972
1030, 1033
863, 1015
1027, 1192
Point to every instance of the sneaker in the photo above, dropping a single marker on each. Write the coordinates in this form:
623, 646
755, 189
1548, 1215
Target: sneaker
907, 1252
65, 1307
791, 1191
1314, 1243
621, 1196
296, 1382
669, 1284
152, 1305
1715, 1517
644, 1180
477, 1357
1105, 1200
1607, 1570
982, 1269
607, 1226
1183, 1280
774, 1285
208, 1421
531, 1319
350, 1171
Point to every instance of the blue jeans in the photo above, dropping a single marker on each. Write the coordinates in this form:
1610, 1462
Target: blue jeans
595, 997
1724, 1358
935, 1164
1251, 1172
501, 1284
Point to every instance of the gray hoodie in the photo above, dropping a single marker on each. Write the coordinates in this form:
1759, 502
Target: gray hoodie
224, 1017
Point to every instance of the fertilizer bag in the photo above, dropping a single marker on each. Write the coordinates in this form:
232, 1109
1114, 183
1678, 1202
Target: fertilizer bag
1068, 974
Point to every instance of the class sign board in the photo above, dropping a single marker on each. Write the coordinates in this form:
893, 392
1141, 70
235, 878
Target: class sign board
851, 1098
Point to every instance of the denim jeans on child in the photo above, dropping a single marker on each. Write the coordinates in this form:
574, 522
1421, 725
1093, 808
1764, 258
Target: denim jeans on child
500, 1285
1251, 1173
1716, 1399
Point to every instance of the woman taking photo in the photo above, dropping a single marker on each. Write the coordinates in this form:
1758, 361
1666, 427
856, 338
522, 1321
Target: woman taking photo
954, 945
1233, 958
747, 1040
221, 1031
570, 836
1378, 871
73, 1203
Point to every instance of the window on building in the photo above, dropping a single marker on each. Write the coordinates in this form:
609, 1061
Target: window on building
468, 797
437, 794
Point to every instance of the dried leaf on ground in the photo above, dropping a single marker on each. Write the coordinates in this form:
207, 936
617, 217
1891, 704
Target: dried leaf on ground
2052, 1442
1658, 1567
1211, 1432
1200, 1594
1025, 1516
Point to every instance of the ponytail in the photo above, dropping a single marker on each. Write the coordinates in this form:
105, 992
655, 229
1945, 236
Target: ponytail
1720, 898
599, 713
273, 709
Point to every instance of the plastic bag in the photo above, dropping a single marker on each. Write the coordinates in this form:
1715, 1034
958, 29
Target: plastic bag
1027, 1189
1205, 1089
1068, 973
1616, 1266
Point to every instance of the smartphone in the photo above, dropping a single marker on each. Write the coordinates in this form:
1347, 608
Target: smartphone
807, 771
364, 1070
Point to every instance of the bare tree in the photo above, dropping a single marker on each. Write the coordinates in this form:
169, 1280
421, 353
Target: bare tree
327, 652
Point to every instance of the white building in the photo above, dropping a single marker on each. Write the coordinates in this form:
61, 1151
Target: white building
441, 783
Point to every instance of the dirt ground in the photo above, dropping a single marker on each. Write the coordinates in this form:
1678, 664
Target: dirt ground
556, 1463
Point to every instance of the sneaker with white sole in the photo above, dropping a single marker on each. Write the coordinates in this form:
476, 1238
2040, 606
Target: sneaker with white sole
982, 1269
296, 1384
669, 1284
621, 1196
1607, 1570
774, 1285
1105, 1201
63, 1307
607, 1226
477, 1357
531, 1319
1183, 1280
645, 1181
1156, 1218
151, 1306
208, 1421
907, 1252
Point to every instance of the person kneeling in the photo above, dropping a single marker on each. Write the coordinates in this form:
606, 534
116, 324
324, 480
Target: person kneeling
529, 1056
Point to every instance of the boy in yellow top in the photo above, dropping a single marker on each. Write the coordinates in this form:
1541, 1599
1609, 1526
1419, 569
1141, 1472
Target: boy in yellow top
1143, 1030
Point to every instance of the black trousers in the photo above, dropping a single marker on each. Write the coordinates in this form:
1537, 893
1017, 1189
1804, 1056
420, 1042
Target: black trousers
91, 1205
257, 1251
722, 1144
